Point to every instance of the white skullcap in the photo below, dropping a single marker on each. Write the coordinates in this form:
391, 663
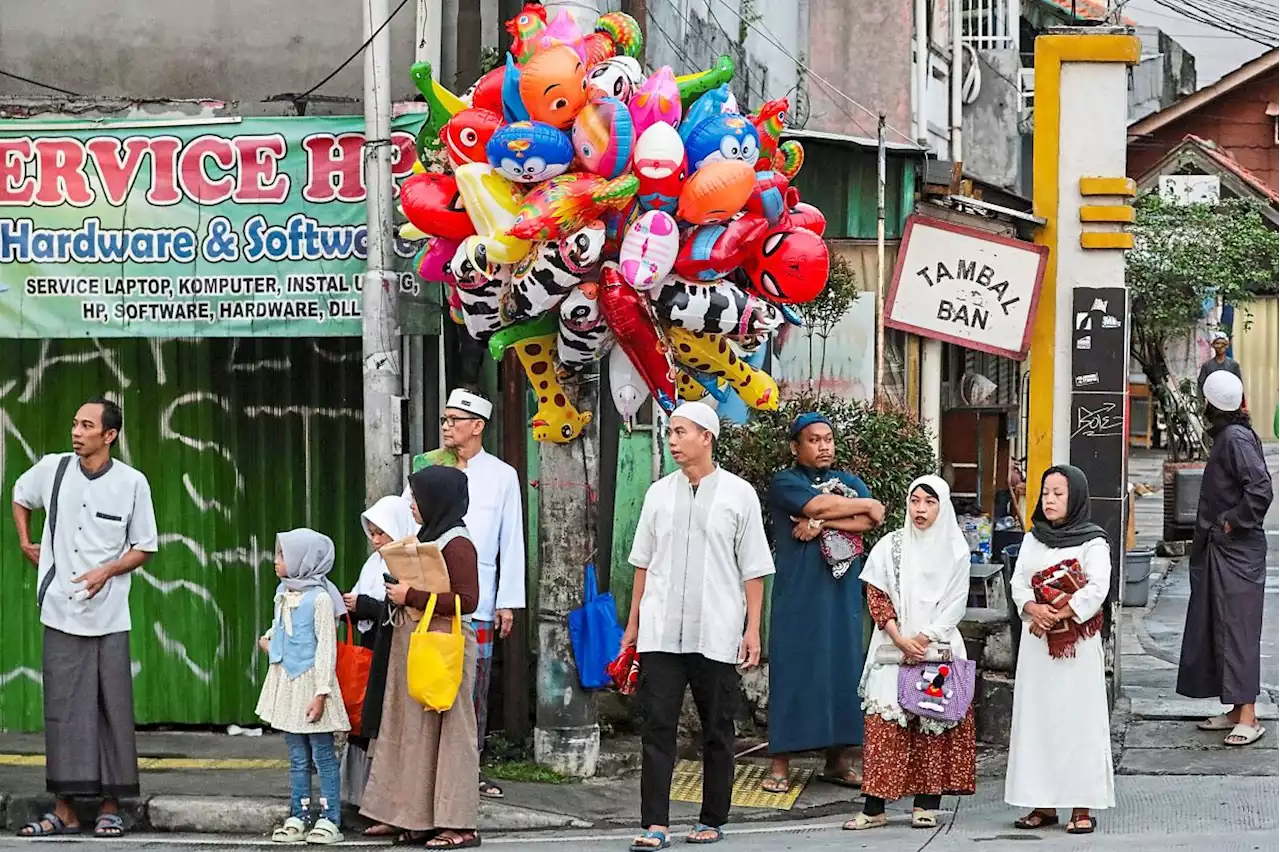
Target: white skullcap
1221, 335
467, 401
700, 413
1223, 391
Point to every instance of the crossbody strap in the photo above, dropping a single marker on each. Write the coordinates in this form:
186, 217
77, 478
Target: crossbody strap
52, 509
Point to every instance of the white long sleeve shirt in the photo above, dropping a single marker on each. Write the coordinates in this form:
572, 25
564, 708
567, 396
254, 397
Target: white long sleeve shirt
495, 520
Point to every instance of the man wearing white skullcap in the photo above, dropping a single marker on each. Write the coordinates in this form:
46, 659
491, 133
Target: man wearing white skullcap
701, 556
495, 521
1221, 642
1219, 361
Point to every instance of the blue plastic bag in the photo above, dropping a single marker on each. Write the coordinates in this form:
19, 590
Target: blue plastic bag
594, 633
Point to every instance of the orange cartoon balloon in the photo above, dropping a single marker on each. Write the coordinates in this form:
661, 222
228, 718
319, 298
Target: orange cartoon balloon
716, 192
553, 86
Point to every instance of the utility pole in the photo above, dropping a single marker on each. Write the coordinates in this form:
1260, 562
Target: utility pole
379, 327
566, 735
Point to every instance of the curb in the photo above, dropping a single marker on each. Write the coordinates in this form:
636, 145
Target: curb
245, 816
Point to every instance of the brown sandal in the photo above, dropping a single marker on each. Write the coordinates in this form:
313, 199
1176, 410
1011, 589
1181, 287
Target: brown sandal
1036, 819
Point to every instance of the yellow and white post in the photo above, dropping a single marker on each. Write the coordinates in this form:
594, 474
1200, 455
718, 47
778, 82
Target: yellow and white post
1079, 360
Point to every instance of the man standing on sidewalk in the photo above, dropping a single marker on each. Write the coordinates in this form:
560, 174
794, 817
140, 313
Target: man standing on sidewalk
701, 556
1221, 644
495, 520
99, 526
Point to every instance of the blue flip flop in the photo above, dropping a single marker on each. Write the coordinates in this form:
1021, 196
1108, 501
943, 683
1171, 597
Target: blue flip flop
664, 842
699, 829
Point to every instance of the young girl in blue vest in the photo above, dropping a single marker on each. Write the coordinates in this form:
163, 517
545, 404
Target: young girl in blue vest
301, 695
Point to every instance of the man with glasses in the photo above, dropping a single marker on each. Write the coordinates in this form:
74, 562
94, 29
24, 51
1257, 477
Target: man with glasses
495, 520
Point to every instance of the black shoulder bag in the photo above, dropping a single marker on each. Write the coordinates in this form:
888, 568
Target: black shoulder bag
52, 509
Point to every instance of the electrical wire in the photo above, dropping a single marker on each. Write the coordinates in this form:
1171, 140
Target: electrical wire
1189, 11
831, 87
359, 50
31, 82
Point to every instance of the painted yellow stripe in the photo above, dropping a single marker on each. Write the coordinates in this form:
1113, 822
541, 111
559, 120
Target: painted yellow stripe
1106, 240
1107, 213
1124, 187
162, 763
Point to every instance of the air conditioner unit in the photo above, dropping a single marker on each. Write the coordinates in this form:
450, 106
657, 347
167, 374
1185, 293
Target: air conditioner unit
1190, 189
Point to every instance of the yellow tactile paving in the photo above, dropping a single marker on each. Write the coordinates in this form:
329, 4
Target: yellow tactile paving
686, 785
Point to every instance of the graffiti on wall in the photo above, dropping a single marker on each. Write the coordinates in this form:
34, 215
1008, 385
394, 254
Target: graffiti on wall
240, 439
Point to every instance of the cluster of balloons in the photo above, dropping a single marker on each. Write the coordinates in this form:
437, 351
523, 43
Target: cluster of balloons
577, 207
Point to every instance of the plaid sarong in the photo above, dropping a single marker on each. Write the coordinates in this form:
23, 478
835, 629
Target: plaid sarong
484, 666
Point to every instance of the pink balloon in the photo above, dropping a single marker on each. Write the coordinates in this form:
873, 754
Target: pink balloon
658, 99
439, 252
649, 249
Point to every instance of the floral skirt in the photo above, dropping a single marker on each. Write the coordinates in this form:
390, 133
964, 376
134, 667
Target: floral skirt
898, 761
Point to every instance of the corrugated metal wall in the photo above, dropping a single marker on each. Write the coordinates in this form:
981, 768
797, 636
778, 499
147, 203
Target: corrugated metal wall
1255, 347
240, 439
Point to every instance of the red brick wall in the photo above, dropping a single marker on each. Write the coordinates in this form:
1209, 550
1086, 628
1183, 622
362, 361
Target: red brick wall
1237, 122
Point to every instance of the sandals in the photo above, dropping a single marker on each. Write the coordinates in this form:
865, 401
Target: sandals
663, 842
490, 790
776, 784
1036, 819
1244, 735
108, 825
1082, 825
323, 833
293, 831
924, 819
414, 838
716, 835
450, 839
56, 827
1216, 723
379, 829
862, 822
848, 778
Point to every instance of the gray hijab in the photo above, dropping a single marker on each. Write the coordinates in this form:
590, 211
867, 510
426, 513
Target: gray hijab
308, 559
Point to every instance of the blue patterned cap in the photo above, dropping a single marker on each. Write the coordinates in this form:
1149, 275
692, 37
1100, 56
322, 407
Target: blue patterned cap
804, 421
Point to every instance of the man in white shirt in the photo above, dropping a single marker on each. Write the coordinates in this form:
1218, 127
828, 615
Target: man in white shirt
99, 526
495, 520
701, 556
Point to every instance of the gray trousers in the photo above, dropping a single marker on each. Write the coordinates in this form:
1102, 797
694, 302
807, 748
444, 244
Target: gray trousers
90, 749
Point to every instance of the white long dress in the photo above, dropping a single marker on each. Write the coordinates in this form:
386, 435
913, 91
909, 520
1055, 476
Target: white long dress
1060, 747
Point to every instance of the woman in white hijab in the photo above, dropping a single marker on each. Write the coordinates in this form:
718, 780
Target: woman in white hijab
917, 582
390, 519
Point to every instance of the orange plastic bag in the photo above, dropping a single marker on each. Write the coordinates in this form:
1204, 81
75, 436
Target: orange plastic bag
353, 667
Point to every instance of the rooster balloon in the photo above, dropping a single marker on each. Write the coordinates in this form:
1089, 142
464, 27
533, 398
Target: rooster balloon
579, 210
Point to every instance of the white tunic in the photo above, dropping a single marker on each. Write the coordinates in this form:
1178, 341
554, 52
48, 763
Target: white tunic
698, 551
1060, 747
495, 520
100, 518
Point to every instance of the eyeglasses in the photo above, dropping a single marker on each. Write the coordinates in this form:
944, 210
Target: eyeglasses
453, 420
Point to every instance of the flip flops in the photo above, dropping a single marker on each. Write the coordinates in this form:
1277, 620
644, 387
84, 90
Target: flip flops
847, 779
776, 784
700, 828
1247, 734
639, 845
56, 827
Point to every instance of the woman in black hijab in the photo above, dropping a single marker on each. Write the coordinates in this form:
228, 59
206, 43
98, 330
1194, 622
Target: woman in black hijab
425, 764
1060, 746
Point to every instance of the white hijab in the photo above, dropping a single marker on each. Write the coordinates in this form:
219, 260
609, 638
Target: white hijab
394, 517
929, 593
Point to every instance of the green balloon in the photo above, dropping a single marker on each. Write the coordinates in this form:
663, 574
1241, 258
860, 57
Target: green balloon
507, 337
428, 138
699, 84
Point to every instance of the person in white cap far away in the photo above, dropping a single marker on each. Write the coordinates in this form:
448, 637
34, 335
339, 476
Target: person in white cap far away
1221, 642
701, 556
495, 520
1219, 361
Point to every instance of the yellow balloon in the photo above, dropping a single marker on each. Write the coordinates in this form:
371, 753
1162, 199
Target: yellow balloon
710, 354
492, 203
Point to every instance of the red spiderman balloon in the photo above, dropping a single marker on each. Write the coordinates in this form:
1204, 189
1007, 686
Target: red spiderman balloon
628, 316
432, 203
789, 266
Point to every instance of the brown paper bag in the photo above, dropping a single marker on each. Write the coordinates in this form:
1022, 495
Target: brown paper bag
417, 565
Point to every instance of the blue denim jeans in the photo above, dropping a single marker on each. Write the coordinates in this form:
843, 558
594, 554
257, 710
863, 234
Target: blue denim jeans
305, 749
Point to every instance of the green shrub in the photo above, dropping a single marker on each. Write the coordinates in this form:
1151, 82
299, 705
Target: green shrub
887, 447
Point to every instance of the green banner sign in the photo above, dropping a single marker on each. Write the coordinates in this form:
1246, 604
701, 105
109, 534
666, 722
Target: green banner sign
215, 228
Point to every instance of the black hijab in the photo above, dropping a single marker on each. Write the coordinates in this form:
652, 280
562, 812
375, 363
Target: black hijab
1076, 528
441, 495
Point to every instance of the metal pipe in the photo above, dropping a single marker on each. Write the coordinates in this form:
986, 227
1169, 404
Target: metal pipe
919, 114
880, 176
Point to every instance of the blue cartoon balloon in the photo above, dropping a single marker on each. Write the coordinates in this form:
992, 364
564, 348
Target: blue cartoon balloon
513, 108
529, 152
718, 101
603, 137
722, 137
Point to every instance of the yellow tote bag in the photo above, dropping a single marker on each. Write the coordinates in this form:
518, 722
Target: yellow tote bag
435, 661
